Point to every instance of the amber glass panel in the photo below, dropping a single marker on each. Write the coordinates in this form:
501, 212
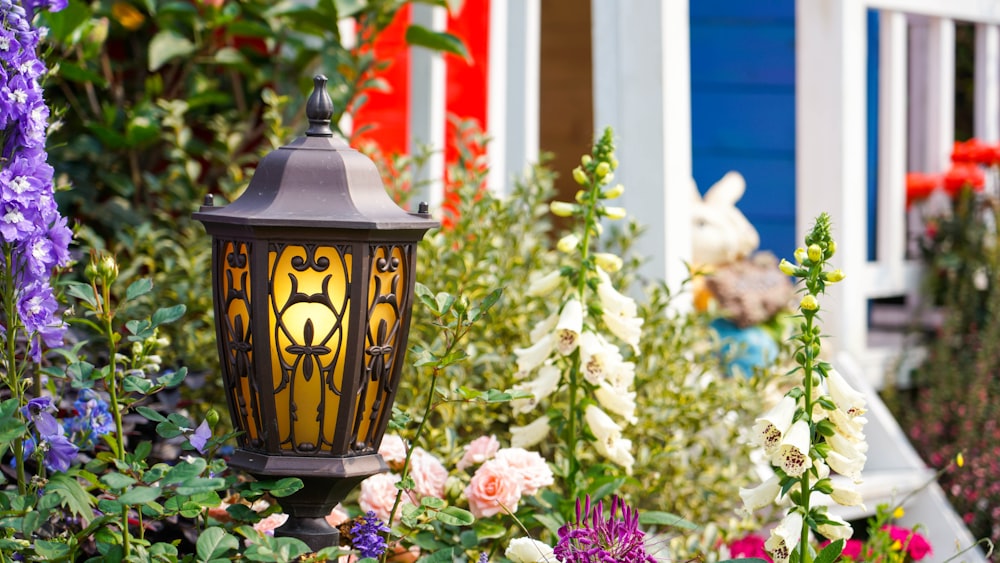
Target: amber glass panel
242, 385
309, 310
387, 285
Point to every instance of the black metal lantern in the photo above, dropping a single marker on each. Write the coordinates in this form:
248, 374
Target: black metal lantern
313, 273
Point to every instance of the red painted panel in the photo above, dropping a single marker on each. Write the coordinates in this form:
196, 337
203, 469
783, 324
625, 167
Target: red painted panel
385, 116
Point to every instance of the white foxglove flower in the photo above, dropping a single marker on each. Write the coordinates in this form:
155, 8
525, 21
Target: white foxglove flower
784, 537
613, 301
568, 243
608, 437
839, 529
770, 428
850, 400
531, 357
543, 327
542, 386
528, 550
762, 495
622, 374
629, 329
569, 327
848, 467
793, 452
846, 495
847, 447
608, 262
533, 433
544, 285
847, 426
596, 357
617, 400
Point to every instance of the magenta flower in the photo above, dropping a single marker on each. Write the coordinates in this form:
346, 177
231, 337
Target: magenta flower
594, 539
750, 546
915, 544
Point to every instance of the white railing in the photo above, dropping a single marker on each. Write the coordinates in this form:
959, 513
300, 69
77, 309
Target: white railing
916, 109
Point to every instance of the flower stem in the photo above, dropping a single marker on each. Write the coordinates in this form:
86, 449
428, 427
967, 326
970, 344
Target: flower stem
111, 382
807, 374
10, 352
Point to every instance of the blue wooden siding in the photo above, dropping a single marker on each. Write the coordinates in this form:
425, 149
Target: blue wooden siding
743, 107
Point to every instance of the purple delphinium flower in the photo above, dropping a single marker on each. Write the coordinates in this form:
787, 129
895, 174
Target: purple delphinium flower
92, 420
594, 539
48, 435
60, 453
39, 412
200, 437
32, 232
367, 535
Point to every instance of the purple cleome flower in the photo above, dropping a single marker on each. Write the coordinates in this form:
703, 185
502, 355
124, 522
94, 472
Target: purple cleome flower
32, 231
592, 539
367, 535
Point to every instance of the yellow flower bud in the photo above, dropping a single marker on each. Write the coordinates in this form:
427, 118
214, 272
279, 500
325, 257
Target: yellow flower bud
614, 192
568, 243
562, 208
835, 276
800, 255
586, 160
603, 169
787, 267
614, 163
960, 460
815, 252
580, 196
615, 212
896, 546
809, 303
608, 262
580, 176
898, 513
608, 178
831, 248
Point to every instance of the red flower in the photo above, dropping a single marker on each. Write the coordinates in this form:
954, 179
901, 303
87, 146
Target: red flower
964, 174
750, 546
975, 151
915, 544
920, 185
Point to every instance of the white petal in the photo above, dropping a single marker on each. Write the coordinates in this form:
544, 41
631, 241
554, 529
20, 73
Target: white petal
793, 453
533, 356
838, 530
846, 495
784, 537
545, 326
545, 285
762, 495
850, 400
617, 400
570, 326
601, 424
770, 427
542, 386
527, 436
629, 329
847, 447
612, 301
848, 467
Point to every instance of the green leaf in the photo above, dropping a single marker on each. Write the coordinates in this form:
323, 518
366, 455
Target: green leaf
443, 555
76, 73
52, 550
486, 303
139, 330
215, 542
489, 529
168, 314
173, 378
83, 292
185, 471
166, 46
138, 288
436, 40
282, 487
433, 502
455, 516
151, 414
140, 495
201, 485
660, 518
117, 480
831, 552
443, 302
11, 429
72, 495
136, 384
347, 8
243, 513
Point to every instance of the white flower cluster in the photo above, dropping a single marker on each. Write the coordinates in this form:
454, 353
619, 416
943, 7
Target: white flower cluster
784, 434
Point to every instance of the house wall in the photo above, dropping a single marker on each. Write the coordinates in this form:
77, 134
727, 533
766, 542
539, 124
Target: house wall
743, 107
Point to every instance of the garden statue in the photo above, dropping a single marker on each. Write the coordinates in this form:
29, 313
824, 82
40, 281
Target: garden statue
744, 290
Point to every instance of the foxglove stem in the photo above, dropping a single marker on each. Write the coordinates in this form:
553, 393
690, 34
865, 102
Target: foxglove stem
807, 374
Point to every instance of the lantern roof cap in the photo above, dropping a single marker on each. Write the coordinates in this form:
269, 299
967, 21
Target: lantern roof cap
317, 181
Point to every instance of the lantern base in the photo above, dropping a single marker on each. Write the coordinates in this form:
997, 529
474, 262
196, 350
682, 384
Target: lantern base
326, 481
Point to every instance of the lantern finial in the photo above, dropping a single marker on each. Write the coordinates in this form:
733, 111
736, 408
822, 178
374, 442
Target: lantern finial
319, 109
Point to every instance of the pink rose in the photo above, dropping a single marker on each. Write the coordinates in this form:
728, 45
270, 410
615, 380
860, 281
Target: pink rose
530, 467
337, 516
393, 451
429, 474
478, 451
494, 488
268, 524
378, 493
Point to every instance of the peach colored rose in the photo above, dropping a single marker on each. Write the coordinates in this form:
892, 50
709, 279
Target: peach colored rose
268, 524
429, 475
529, 466
494, 488
378, 493
337, 516
478, 451
393, 451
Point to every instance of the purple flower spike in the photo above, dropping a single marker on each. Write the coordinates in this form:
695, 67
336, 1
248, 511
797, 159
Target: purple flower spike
368, 535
